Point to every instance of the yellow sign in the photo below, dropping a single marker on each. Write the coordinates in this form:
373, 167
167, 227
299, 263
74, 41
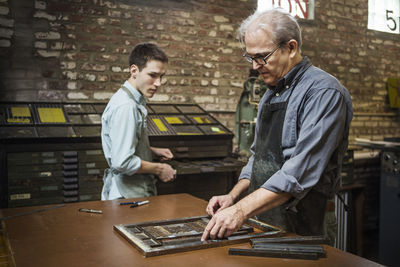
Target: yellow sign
173, 120
201, 120
51, 115
20, 112
160, 125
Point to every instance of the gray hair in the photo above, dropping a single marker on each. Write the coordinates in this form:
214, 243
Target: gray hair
282, 26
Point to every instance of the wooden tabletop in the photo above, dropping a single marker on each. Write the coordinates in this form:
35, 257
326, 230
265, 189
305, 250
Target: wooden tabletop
66, 237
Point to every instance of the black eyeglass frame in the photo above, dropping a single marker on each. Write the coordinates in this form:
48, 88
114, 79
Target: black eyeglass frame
250, 59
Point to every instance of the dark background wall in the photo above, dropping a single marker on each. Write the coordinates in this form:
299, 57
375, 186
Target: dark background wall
78, 50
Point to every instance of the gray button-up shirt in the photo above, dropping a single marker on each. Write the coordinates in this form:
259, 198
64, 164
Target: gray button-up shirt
315, 132
124, 146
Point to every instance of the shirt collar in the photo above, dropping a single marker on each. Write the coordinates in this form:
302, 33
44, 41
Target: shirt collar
286, 81
138, 97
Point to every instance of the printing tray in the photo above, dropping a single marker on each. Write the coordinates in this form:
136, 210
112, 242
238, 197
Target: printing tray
178, 235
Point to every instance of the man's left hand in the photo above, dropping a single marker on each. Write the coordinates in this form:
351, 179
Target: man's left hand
224, 223
163, 153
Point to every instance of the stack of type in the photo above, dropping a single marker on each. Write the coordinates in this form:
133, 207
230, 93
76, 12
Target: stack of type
305, 247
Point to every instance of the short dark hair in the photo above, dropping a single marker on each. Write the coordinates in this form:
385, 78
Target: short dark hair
144, 52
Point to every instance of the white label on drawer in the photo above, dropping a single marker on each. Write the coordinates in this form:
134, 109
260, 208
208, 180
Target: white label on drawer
51, 160
95, 171
45, 174
20, 196
91, 165
47, 154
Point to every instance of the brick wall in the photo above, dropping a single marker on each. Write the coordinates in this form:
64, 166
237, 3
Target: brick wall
78, 50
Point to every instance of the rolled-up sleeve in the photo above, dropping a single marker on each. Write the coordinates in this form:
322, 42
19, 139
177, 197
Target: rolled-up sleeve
321, 129
123, 135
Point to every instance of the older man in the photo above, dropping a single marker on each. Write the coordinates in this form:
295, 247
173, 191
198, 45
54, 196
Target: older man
301, 135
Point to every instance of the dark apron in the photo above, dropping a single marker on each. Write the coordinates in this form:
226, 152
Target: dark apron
268, 159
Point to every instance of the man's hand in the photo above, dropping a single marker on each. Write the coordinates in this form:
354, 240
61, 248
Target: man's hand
162, 153
165, 172
218, 203
224, 223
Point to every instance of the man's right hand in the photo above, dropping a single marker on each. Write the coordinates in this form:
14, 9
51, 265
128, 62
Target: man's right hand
218, 203
165, 172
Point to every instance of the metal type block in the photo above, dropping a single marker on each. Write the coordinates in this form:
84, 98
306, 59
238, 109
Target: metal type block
183, 234
272, 254
318, 249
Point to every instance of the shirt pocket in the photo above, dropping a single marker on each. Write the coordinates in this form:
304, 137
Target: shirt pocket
289, 131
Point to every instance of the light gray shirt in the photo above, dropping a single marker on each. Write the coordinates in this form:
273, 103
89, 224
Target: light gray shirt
315, 132
123, 135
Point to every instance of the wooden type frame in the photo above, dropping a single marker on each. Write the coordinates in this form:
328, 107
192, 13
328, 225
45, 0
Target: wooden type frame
156, 238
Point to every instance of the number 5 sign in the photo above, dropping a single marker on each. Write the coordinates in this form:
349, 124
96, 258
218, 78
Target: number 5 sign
383, 15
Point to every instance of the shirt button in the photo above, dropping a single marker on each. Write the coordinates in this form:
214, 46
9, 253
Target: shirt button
277, 94
287, 86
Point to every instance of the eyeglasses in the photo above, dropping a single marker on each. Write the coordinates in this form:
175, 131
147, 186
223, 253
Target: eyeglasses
262, 60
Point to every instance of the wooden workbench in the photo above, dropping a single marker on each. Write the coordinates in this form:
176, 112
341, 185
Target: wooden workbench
66, 237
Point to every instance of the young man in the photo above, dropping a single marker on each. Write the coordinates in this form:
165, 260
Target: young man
301, 135
124, 130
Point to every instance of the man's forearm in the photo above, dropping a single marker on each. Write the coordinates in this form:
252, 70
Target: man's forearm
261, 201
149, 167
239, 188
